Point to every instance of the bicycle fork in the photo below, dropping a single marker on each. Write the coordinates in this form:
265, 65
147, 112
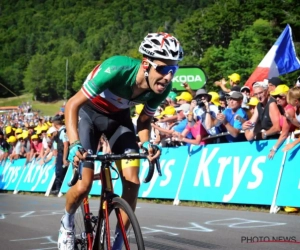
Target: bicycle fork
87, 221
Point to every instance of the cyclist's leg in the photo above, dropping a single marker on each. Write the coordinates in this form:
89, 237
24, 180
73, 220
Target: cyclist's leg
81, 189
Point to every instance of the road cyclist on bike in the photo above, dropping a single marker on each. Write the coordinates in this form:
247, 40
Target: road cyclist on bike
102, 106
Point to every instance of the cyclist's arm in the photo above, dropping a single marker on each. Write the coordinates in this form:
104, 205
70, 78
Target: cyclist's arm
71, 115
144, 127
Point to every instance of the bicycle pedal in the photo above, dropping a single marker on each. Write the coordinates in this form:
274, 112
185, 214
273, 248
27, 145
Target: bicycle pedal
94, 219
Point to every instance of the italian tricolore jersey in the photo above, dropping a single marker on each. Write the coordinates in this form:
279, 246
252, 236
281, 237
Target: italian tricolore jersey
109, 87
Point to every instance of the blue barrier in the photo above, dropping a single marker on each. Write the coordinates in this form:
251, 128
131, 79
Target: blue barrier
32, 178
289, 188
232, 173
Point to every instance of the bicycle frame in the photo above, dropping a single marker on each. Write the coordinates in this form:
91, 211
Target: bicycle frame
107, 194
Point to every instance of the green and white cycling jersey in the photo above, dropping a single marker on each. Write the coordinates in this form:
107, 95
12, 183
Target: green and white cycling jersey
109, 87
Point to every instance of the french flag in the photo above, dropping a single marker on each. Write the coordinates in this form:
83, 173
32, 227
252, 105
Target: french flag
281, 59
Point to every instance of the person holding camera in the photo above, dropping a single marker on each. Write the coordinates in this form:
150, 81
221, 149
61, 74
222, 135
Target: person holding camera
206, 111
232, 117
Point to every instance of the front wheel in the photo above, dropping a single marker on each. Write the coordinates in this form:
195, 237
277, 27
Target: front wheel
84, 230
134, 239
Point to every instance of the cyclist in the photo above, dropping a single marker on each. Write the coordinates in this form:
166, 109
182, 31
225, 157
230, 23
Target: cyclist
103, 106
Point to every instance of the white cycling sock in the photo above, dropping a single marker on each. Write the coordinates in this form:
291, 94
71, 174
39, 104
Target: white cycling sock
118, 243
68, 221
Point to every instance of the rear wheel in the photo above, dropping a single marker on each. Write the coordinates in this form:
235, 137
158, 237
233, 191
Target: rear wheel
133, 234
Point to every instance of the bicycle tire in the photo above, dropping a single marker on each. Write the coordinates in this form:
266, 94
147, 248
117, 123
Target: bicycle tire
134, 233
81, 229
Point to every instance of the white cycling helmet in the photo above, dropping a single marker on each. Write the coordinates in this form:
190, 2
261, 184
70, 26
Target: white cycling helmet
161, 46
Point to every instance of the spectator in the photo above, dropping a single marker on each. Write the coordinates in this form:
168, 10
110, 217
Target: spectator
4, 147
62, 163
264, 123
9, 131
206, 111
26, 146
231, 117
184, 97
273, 83
245, 90
252, 105
35, 148
194, 127
234, 81
12, 141
222, 100
293, 98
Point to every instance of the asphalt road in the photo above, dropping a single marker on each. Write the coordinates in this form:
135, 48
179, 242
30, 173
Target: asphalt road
32, 222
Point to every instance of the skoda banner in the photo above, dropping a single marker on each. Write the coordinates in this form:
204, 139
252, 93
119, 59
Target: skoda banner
193, 75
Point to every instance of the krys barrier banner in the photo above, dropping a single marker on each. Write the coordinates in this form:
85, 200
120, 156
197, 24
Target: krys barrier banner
33, 177
233, 173
96, 188
163, 187
193, 75
289, 186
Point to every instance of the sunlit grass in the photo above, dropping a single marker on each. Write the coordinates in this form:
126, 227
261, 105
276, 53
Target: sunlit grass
47, 109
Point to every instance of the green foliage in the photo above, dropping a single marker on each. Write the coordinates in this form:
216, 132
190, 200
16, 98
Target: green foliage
222, 36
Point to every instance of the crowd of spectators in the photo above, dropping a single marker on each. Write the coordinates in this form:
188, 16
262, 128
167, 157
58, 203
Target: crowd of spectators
268, 110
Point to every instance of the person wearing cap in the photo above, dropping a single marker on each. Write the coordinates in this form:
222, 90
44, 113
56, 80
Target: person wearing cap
184, 97
234, 81
12, 141
265, 122
62, 144
18, 131
205, 108
9, 131
4, 147
273, 83
279, 94
287, 110
245, 90
231, 117
252, 105
36, 147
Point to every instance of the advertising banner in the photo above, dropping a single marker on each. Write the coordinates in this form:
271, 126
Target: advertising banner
37, 177
289, 187
10, 173
193, 75
233, 173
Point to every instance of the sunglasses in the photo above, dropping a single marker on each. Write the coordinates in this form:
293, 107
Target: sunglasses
164, 69
278, 96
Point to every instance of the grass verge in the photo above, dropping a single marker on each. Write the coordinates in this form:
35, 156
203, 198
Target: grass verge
47, 109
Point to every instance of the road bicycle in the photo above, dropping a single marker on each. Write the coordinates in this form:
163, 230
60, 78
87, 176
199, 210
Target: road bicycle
97, 232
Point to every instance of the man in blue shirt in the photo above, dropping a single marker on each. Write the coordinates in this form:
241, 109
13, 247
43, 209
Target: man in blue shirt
232, 117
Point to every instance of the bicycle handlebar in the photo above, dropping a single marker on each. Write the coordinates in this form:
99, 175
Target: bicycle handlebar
113, 157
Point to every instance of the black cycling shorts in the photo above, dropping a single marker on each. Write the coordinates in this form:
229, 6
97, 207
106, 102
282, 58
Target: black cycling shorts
117, 127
